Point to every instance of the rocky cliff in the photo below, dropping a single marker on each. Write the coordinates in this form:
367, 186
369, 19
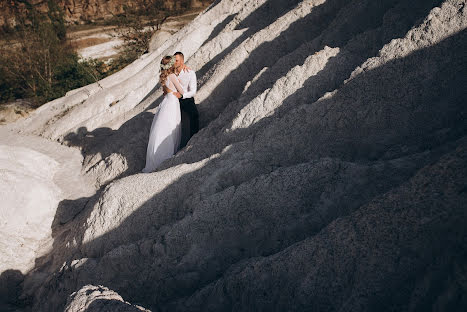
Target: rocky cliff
329, 173
82, 11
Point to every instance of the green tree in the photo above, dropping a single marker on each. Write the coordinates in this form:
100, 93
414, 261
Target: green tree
57, 19
38, 63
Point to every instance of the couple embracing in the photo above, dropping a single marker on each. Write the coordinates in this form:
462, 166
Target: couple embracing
177, 118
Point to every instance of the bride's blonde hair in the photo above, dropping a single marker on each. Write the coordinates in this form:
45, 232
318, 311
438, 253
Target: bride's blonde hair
167, 68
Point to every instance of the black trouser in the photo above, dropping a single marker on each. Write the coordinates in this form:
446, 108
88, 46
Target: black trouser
190, 123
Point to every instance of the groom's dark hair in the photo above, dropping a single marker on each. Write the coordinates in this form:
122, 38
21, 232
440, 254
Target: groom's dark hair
179, 53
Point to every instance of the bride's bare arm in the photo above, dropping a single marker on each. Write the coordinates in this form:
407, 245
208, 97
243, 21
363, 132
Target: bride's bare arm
176, 83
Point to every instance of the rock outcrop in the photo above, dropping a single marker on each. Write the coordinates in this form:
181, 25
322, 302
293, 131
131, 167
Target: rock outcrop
84, 11
99, 299
329, 173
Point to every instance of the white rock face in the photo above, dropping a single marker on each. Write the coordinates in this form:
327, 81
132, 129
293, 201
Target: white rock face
99, 298
329, 173
35, 175
29, 200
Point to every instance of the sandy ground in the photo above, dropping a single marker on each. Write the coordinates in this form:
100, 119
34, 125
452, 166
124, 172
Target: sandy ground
35, 176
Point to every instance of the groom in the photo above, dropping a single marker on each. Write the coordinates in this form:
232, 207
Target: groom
189, 112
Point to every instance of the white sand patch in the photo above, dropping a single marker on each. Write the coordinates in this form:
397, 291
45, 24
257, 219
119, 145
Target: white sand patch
35, 175
101, 50
29, 199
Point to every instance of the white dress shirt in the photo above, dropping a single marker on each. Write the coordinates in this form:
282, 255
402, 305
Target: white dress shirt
188, 82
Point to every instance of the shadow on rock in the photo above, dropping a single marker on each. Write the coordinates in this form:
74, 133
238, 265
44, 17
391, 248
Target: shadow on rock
257, 20
10, 291
239, 206
109, 154
331, 77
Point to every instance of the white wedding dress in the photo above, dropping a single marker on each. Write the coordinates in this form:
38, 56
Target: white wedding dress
165, 134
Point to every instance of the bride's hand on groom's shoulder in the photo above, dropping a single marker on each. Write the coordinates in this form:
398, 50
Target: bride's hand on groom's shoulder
186, 68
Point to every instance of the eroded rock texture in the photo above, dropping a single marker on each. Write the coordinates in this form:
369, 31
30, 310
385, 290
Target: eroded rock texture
99, 299
329, 175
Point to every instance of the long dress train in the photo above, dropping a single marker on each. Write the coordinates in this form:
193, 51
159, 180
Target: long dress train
165, 134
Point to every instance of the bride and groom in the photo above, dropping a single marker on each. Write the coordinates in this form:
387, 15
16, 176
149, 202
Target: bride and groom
177, 118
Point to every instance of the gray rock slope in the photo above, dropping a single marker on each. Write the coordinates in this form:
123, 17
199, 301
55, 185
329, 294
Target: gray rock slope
329, 175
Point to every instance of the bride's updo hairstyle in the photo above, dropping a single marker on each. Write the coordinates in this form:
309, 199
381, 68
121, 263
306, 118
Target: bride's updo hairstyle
167, 68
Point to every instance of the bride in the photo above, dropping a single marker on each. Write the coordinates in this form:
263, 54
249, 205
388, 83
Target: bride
165, 134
